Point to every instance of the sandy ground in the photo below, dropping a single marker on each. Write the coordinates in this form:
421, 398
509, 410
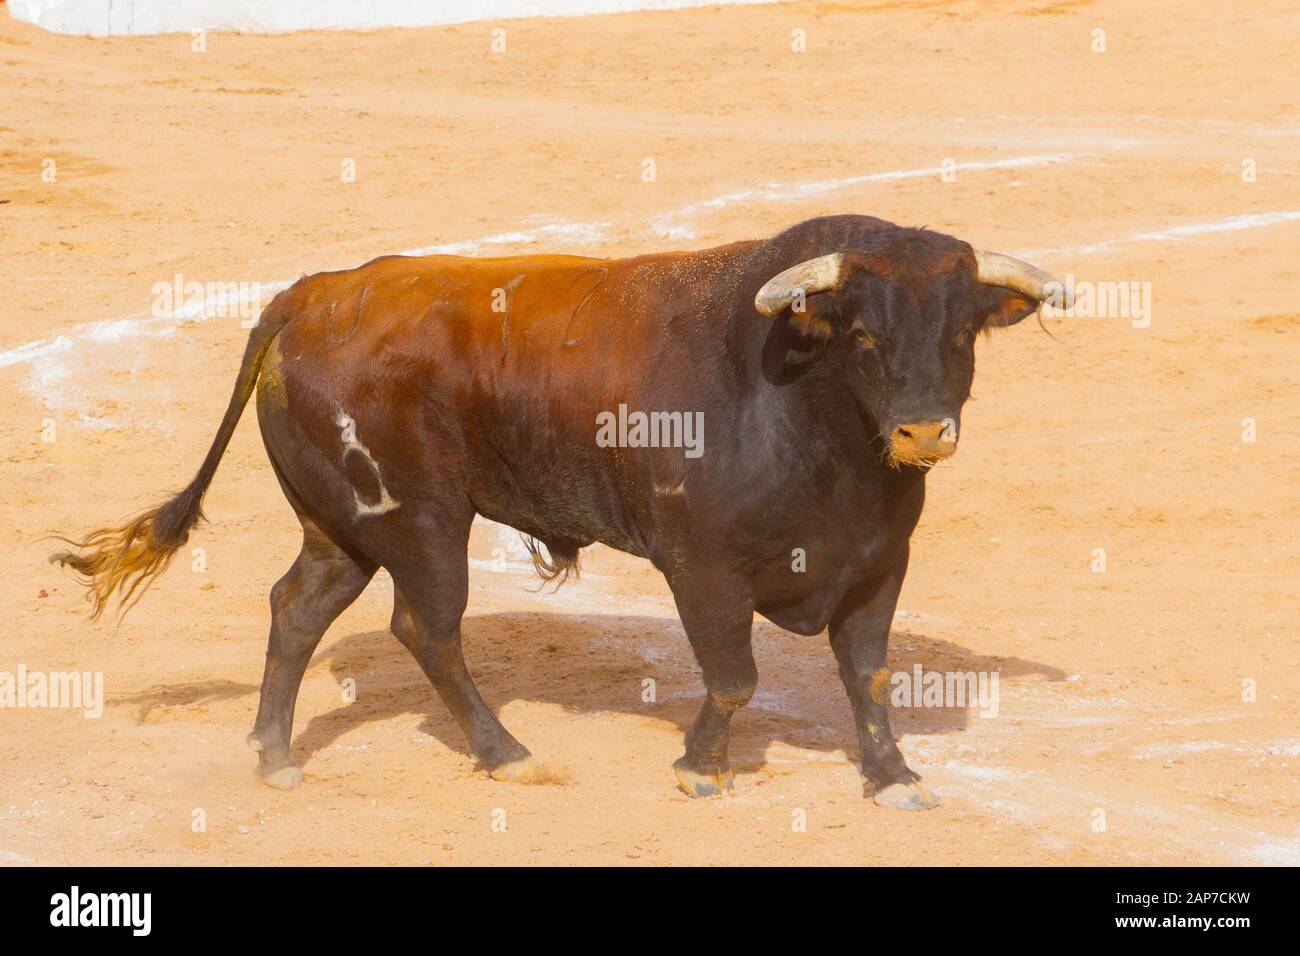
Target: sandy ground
1123, 733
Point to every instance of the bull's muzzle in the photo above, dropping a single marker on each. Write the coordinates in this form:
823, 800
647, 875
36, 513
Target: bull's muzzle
923, 442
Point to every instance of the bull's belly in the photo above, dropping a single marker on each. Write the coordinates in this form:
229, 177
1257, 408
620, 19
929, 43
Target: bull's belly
808, 619
581, 511
803, 601
547, 529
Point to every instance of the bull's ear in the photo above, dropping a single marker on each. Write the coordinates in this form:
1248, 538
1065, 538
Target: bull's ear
803, 293
1002, 306
812, 315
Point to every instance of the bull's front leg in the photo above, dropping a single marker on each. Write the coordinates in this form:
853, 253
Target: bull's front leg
718, 622
859, 634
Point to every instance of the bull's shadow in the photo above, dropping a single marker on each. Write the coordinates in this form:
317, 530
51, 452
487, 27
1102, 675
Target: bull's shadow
592, 664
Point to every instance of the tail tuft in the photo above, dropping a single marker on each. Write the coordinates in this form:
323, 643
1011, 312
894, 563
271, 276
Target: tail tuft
557, 564
126, 559
123, 561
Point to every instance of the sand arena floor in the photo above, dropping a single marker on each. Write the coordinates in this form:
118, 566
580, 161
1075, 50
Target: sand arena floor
1121, 690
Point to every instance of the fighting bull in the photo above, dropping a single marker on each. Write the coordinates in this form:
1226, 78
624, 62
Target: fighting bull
824, 371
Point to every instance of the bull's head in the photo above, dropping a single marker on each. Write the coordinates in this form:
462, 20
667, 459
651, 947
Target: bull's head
908, 312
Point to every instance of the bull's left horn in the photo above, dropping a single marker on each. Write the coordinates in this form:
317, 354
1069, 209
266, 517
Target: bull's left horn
997, 269
812, 275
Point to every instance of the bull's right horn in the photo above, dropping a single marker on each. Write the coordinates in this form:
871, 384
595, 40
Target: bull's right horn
811, 275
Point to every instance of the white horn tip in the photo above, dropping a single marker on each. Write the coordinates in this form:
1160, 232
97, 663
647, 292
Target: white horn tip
1058, 295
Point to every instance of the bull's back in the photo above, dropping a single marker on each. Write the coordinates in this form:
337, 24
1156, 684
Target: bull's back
489, 373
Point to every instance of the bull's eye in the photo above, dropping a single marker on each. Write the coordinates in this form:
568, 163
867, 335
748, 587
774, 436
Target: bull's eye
863, 338
964, 338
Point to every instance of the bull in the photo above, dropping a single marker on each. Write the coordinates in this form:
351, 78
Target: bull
827, 368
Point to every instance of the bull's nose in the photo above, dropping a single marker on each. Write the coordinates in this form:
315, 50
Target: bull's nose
923, 442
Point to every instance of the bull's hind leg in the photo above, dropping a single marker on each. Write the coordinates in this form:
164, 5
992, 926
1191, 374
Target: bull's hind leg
323, 581
718, 624
429, 602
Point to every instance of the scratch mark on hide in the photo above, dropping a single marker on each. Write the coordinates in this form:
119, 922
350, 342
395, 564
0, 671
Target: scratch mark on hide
671, 491
334, 337
604, 273
509, 290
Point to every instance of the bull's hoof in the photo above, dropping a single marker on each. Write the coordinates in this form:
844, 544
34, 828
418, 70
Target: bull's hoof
524, 770
906, 796
696, 784
286, 778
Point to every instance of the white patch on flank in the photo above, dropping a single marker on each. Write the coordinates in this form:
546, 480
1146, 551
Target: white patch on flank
350, 445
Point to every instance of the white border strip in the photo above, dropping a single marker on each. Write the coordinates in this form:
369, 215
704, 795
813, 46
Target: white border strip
151, 17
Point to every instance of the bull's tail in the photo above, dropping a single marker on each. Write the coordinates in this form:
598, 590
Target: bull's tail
124, 560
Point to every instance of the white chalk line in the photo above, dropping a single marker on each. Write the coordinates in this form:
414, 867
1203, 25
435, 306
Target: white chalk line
1017, 794
664, 224
1257, 220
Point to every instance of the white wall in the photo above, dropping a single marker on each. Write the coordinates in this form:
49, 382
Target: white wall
141, 17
